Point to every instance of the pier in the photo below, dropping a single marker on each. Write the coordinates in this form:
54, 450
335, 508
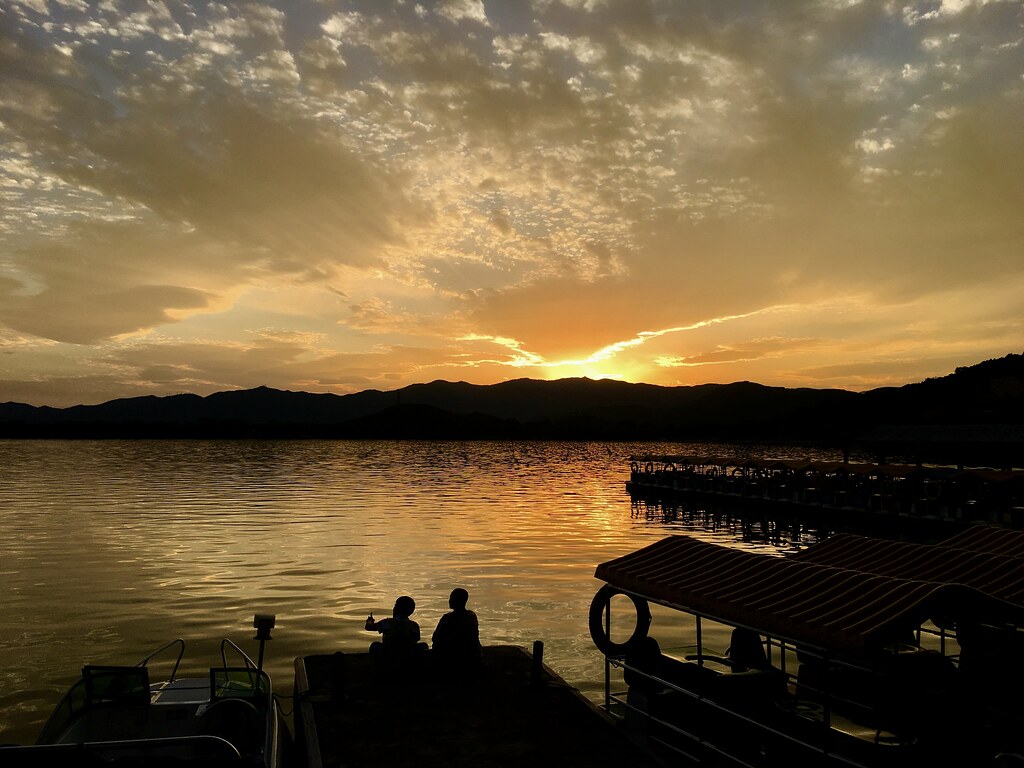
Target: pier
838, 492
514, 712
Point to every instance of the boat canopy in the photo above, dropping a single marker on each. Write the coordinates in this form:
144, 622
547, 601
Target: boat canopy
997, 575
836, 610
984, 538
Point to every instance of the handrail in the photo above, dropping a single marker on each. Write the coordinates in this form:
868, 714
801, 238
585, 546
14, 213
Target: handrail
158, 651
245, 657
822, 750
204, 745
249, 663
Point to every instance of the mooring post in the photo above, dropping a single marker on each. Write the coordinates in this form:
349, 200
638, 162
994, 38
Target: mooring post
537, 672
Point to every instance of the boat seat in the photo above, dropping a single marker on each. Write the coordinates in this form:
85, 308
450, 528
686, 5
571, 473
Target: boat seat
649, 671
746, 651
750, 688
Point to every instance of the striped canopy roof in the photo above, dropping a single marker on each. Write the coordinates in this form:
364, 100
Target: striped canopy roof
983, 538
842, 611
997, 575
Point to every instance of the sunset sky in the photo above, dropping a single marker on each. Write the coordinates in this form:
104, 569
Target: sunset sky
338, 196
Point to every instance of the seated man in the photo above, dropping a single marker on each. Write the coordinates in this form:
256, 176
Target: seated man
456, 641
400, 635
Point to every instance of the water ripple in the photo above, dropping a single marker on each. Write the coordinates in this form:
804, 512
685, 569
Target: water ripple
111, 548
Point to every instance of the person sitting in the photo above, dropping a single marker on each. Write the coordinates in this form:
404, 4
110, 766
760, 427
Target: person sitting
456, 640
400, 635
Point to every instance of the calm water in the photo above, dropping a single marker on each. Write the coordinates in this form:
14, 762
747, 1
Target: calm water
110, 548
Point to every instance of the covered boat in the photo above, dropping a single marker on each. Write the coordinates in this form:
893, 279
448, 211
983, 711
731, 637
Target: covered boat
117, 715
826, 664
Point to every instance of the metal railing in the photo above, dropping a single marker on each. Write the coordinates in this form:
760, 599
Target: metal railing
181, 652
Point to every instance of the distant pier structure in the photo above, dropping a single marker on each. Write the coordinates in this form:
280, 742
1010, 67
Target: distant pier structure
845, 491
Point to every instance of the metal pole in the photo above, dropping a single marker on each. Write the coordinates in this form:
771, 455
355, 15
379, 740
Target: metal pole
607, 663
263, 624
700, 644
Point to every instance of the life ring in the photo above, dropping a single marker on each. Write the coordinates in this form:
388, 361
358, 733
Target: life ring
649, 468
601, 603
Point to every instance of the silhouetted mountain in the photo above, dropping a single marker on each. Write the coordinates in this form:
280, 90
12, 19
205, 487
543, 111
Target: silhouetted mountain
974, 415
980, 401
991, 392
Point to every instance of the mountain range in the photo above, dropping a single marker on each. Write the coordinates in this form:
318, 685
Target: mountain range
979, 404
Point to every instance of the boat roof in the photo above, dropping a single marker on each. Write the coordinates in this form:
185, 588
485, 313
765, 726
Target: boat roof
985, 538
997, 575
838, 610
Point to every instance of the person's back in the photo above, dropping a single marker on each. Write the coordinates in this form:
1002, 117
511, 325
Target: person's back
457, 637
401, 633
457, 633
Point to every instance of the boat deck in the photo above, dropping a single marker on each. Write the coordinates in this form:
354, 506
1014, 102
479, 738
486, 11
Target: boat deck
509, 715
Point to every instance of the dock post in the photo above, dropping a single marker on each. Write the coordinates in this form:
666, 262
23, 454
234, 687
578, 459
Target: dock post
537, 671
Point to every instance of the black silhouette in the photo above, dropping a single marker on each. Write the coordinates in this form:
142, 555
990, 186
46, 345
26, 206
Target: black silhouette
400, 635
456, 640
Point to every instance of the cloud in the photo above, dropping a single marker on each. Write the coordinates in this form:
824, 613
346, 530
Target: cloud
744, 352
215, 191
564, 176
457, 10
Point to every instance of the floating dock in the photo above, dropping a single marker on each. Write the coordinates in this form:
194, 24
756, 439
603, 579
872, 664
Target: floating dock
843, 490
514, 712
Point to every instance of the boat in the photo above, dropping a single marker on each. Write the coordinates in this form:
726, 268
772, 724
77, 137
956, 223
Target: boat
117, 715
826, 665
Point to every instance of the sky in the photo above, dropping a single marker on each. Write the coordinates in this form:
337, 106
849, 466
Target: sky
339, 196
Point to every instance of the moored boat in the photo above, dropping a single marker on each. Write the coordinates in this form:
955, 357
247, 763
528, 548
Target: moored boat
118, 715
826, 665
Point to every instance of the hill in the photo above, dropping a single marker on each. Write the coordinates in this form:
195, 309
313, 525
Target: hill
976, 404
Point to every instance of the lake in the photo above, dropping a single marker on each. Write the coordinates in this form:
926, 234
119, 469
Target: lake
111, 548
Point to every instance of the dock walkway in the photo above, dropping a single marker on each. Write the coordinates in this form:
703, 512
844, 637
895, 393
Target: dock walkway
836, 490
512, 714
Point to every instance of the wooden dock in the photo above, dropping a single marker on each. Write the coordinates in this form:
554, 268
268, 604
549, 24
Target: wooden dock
937, 500
513, 713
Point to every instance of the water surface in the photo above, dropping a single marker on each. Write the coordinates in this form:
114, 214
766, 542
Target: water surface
110, 548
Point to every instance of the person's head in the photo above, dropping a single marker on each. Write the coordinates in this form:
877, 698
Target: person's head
405, 606
458, 599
